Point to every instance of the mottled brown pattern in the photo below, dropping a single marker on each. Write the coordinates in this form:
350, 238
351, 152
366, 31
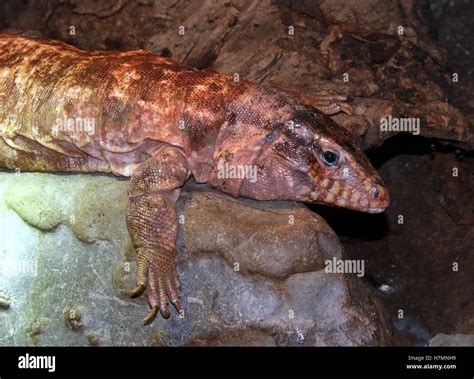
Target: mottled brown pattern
133, 97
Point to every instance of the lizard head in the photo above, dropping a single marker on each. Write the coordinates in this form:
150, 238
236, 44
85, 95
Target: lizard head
310, 158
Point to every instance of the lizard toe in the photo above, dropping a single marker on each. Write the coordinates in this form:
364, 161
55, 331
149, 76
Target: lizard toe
151, 315
163, 298
142, 274
173, 292
154, 295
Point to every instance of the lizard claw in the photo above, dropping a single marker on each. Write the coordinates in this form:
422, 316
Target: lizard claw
138, 291
162, 283
150, 316
178, 307
346, 108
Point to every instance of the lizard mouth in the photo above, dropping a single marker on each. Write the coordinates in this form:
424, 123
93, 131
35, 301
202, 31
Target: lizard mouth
374, 199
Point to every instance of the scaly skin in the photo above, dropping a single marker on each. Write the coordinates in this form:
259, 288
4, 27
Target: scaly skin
159, 122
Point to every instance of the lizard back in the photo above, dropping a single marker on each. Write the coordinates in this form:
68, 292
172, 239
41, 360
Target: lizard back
64, 109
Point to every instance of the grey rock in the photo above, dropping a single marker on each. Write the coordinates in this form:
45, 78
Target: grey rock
442, 339
252, 272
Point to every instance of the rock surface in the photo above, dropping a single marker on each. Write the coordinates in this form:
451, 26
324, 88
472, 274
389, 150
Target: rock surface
252, 272
452, 340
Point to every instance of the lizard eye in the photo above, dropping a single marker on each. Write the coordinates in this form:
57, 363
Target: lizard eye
329, 158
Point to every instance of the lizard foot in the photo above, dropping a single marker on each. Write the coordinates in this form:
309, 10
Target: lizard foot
157, 272
329, 104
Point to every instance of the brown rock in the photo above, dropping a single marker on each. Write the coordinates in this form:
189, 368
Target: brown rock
274, 242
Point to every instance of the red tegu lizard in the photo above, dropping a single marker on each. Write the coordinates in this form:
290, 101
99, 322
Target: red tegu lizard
139, 115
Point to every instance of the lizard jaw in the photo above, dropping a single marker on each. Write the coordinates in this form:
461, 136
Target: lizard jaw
372, 198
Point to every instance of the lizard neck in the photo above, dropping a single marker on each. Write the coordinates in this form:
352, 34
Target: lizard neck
208, 111
249, 120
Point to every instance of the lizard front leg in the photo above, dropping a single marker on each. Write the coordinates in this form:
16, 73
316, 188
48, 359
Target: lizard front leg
152, 225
